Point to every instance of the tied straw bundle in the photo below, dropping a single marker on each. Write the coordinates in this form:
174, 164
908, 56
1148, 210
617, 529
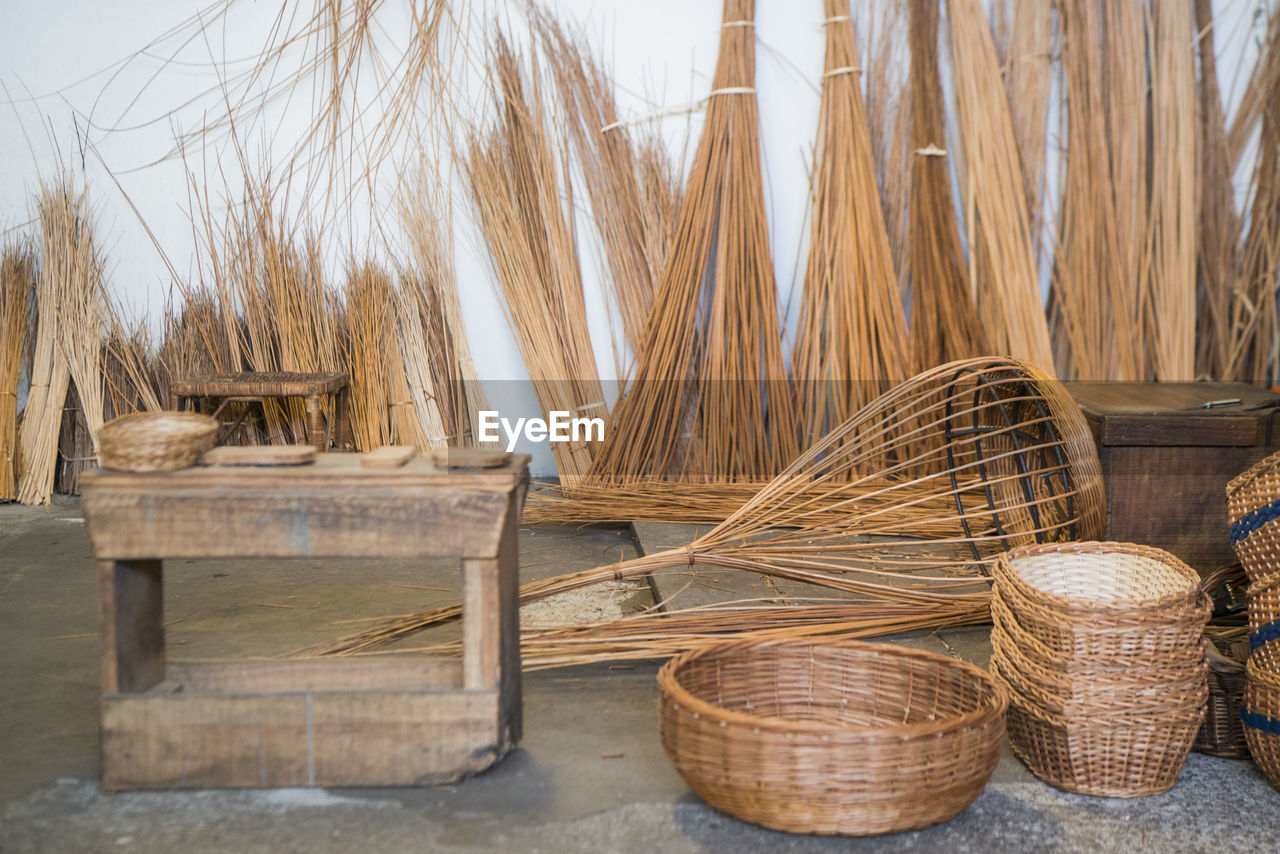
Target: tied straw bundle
851, 343
17, 284
1009, 460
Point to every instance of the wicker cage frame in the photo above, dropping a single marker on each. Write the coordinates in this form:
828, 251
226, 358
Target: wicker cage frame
831, 737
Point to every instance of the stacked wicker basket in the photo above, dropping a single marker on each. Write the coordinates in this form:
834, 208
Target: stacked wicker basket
1101, 646
1253, 504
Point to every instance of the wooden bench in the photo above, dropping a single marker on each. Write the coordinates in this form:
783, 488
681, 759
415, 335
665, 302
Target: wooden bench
257, 387
305, 721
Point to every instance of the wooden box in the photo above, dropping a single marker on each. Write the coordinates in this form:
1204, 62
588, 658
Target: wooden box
310, 721
1166, 458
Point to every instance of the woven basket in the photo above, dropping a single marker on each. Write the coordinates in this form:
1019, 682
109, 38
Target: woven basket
1141, 756
831, 737
155, 441
1253, 505
1092, 579
1141, 635
1222, 733
1264, 623
1261, 718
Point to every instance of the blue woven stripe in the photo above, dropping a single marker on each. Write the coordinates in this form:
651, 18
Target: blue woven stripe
1266, 633
1251, 522
1259, 722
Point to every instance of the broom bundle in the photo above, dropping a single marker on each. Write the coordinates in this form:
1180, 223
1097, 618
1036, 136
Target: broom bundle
710, 399
851, 340
989, 454
17, 284
516, 193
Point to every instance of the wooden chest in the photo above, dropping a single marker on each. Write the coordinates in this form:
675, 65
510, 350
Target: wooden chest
1166, 458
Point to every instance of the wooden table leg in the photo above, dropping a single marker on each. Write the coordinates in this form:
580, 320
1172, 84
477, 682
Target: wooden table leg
491, 625
130, 616
315, 421
341, 419
175, 402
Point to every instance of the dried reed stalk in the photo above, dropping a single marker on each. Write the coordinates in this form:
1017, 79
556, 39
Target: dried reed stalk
1000, 238
516, 193
711, 365
1170, 307
1219, 232
1028, 63
1038, 479
415, 357
69, 272
17, 287
1098, 265
888, 107
632, 187
945, 325
850, 342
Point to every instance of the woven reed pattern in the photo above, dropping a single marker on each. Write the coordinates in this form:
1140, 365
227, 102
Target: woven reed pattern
831, 737
1108, 696
155, 441
1252, 511
1222, 733
1262, 702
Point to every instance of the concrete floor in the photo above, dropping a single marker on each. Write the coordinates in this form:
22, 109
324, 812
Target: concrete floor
565, 789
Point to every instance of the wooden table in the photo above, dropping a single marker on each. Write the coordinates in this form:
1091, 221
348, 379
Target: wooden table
256, 387
315, 721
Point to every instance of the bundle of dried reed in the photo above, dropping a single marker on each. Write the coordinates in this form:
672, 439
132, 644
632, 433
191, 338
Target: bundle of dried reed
369, 334
1006, 459
633, 189
1097, 276
1170, 288
888, 104
1000, 238
415, 360
67, 284
944, 321
1028, 64
425, 206
193, 340
662, 633
130, 368
17, 286
710, 400
850, 342
516, 193
1219, 233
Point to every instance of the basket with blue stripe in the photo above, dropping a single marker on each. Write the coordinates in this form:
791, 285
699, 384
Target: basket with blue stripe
1253, 508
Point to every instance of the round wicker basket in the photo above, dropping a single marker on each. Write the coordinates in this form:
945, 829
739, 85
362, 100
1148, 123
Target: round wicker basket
1260, 713
831, 737
155, 441
1253, 506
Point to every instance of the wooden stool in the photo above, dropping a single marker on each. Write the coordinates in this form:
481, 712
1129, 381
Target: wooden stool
256, 387
385, 721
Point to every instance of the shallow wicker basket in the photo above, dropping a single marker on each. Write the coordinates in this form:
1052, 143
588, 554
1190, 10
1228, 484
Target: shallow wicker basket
1131, 758
831, 737
1261, 716
155, 441
1253, 506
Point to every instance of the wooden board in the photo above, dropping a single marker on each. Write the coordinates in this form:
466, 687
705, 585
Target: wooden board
388, 457
469, 458
259, 455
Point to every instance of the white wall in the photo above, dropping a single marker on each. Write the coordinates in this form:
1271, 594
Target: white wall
78, 58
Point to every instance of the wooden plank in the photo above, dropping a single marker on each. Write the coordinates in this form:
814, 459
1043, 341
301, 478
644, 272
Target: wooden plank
302, 739
259, 455
469, 458
1181, 430
315, 674
130, 619
312, 522
388, 457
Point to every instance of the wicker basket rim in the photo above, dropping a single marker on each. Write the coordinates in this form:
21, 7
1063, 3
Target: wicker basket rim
995, 702
1005, 564
1252, 473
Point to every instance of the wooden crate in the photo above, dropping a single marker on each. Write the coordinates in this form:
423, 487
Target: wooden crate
1166, 459
305, 722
